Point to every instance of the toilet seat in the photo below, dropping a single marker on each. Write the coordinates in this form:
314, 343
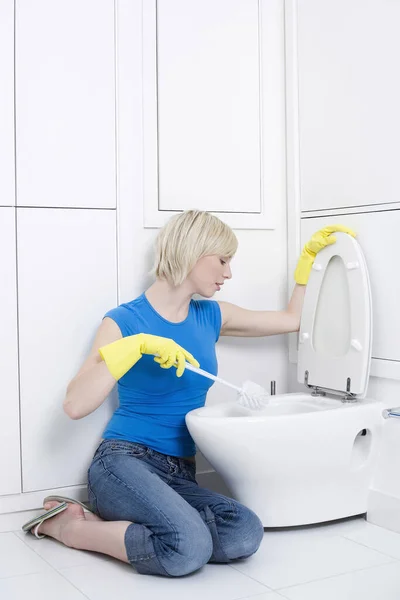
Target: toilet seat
335, 338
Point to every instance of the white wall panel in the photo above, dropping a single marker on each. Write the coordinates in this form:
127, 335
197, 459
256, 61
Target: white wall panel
209, 105
65, 103
67, 280
10, 479
213, 112
7, 183
349, 98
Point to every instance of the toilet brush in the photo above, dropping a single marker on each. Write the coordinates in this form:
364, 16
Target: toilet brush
251, 395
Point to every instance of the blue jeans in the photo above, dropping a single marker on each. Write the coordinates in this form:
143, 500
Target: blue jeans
177, 526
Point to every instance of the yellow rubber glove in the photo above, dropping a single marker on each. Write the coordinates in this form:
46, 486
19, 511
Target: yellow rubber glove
121, 355
319, 240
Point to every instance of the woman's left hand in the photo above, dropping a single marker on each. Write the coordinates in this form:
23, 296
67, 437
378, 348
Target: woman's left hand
318, 241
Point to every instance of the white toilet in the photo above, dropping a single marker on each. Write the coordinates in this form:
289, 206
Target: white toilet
308, 457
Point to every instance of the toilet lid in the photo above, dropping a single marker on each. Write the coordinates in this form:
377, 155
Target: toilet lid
336, 324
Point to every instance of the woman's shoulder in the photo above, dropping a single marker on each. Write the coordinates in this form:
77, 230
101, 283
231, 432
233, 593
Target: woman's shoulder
208, 311
126, 315
131, 306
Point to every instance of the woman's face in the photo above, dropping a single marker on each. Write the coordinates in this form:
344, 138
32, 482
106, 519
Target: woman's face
209, 274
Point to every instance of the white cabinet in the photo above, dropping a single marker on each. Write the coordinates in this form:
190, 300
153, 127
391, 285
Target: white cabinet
65, 103
349, 98
214, 120
7, 182
378, 235
10, 468
205, 89
67, 280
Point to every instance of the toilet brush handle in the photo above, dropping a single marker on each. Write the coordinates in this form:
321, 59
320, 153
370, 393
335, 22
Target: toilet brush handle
213, 377
210, 376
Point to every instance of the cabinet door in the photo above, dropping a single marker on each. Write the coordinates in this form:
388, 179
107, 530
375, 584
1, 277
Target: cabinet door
213, 110
10, 467
65, 103
67, 280
7, 194
377, 233
206, 145
349, 98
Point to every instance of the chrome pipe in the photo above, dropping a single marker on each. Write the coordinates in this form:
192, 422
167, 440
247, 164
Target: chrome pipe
391, 412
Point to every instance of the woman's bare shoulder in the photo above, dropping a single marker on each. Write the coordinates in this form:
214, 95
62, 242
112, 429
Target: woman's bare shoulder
107, 332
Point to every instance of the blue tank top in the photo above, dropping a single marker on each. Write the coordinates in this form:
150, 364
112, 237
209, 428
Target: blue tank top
153, 401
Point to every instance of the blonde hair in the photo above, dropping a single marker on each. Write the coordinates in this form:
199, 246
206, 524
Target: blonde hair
186, 238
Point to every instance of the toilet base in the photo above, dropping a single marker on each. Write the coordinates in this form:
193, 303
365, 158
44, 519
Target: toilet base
276, 508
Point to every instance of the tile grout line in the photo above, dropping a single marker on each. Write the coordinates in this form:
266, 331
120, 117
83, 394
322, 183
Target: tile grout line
268, 589
21, 575
282, 595
287, 587
255, 596
391, 561
51, 567
370, 548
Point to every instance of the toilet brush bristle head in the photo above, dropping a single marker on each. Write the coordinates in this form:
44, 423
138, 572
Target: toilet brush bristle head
253, 395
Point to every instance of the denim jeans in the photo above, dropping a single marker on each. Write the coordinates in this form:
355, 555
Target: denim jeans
177, 526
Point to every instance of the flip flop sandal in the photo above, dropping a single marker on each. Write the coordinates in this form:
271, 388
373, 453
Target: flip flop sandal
40, 518
65, 499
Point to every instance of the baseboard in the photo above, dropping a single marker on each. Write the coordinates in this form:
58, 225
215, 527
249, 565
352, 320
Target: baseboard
384, 511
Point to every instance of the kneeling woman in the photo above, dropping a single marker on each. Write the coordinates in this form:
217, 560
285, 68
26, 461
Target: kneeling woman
148, 509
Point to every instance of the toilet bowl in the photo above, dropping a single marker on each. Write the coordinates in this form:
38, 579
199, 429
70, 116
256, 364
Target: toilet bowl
308, 457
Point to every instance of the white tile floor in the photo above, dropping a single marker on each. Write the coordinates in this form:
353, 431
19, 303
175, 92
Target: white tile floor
348, 560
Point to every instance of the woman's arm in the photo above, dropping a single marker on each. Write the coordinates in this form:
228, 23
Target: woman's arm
93, 382
242, 322
239, 321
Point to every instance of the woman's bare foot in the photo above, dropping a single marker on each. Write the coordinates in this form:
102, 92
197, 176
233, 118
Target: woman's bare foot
78, 529
62, 525
89, 516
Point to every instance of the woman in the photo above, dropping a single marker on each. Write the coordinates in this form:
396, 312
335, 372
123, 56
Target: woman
148, 508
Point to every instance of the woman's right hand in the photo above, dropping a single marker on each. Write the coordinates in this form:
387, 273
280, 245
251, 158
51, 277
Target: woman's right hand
167, 353
122, 355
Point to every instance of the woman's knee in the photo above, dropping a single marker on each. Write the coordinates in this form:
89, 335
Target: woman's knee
246, 533
193, 550
175, 553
